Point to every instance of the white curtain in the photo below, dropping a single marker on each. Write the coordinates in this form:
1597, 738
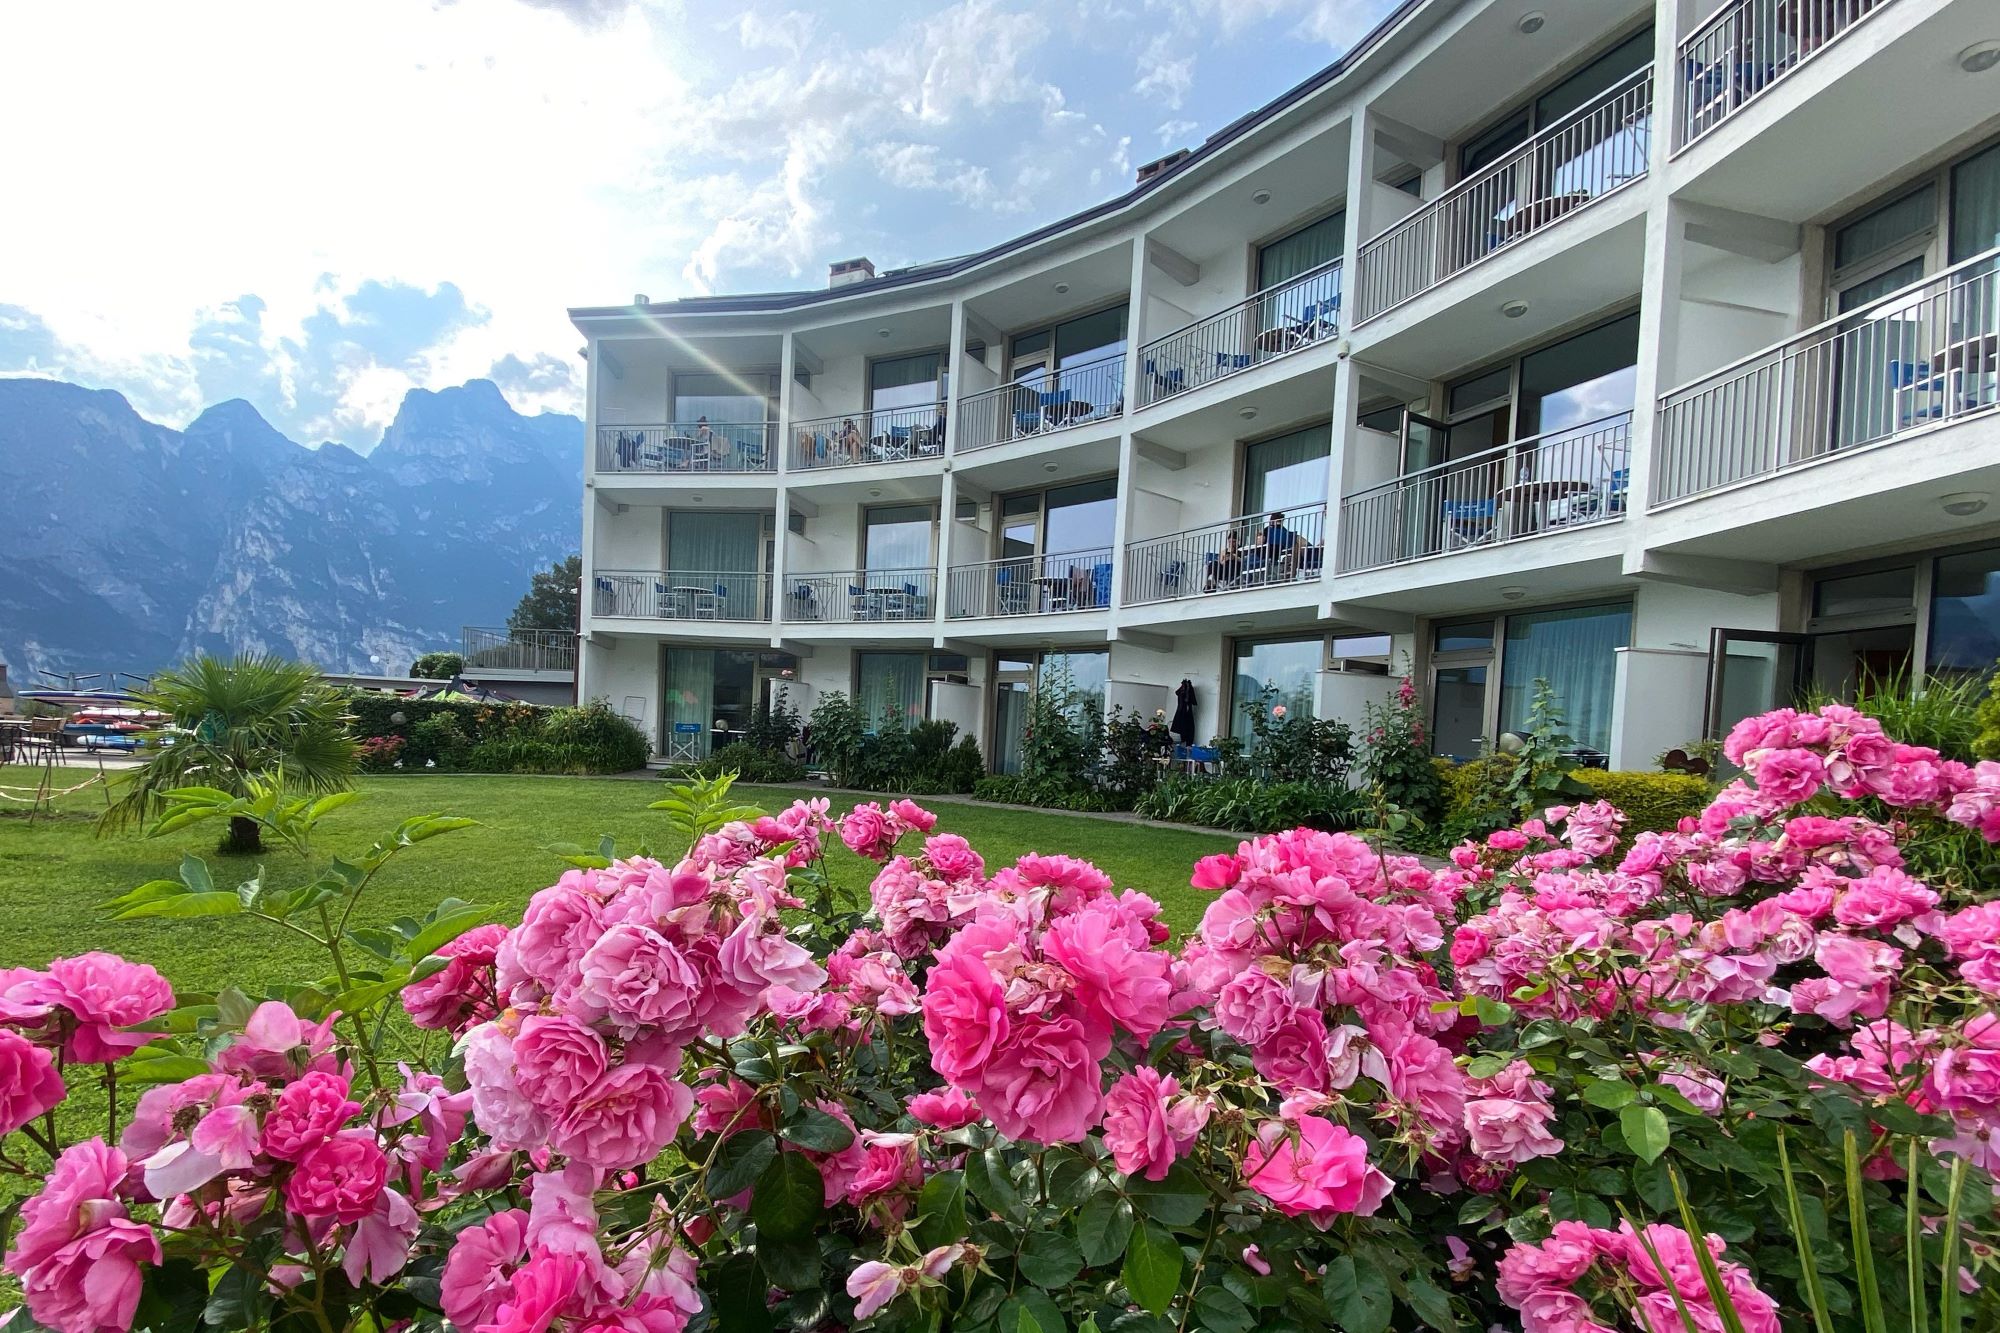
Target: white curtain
690, 692
1574, 650
890, 685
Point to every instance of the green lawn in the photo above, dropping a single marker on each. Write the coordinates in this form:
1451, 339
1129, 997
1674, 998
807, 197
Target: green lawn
55, 875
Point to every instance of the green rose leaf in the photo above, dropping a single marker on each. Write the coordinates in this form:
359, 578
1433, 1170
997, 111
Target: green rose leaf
1178, 1199
1358, 1296
815, 1129
789, 1198
988, 1176
1031, 1311
736, 1292
1646, 1131
1221, 1312
739, 1161
1103, 1226
941, 1210
1152, 1269
1609, 1094
1049, 1259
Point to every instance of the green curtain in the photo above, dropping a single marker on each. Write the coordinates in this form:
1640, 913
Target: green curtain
1575, 650
890, 684
690, 692
1307, 248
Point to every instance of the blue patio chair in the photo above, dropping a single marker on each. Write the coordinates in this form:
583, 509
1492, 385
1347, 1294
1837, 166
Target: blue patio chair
1616, 490
1908, 380
1171, 576
805, 601
1468, 522
1027, 422
857, 602
912, 602
1055, 406
628, 449
1013, 594
1227, 361
722, 601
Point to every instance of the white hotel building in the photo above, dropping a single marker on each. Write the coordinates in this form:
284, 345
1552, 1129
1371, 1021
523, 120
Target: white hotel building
1653, 349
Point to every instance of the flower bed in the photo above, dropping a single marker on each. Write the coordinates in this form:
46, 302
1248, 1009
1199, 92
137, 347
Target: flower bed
1751, 1066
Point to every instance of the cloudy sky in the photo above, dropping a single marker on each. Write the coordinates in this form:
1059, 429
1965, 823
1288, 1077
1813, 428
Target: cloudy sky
316, 206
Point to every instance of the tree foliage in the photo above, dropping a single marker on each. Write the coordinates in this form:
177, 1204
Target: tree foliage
551, 600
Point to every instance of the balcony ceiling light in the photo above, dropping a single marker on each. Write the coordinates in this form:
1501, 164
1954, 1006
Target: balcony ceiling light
1531, 22
1979, 57
1049, 466
1261, 197
695, 498
1062, 289
1964, 504
881, 333
1514, 309
874, 492
1513, 592
1248, 413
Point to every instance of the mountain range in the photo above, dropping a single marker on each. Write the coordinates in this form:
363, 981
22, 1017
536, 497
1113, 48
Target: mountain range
126, 545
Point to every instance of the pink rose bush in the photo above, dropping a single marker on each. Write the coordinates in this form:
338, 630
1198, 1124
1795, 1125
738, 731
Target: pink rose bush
1359, 1090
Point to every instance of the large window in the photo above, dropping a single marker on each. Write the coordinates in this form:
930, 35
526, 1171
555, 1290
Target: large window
722, 398
1061, 519
1573, 648
1087, 338
1517, 127
889, 687
1948, 217
706, 687
1018, 676
897, 537
1965, 613
1272, 673
906, 381
719, 543
1286, 472
1301, 251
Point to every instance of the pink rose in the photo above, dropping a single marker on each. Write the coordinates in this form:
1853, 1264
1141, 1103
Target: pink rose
29, 1083
1119, 977
1320, 1175
86, 1184
340, 1178
277, 1044
913, 815
102, 993
873, 1284
307, 1113
947, 1108
889, 1162
1252, 1007
537, 1292
758, 955
557, 928
1294, 1056
869, 832
953, 859
965, 1015
1220, 871
499, 1107
1788, 777
93, 1283
1503, 1129
556, 1059
1043, 1084
463, 992
636, 977
627, 1118
1148, 1124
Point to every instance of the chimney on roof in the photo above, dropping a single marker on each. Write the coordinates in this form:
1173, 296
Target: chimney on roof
1161, 164
849, 270
641, 299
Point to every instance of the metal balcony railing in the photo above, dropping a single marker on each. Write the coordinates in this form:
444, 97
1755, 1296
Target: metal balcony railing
847, 596
1223, 557
1275, 322
1047, 401
1596, 150
1556, 482
716, 446
677, 594
1028, 585
1748, 46
1917, 357
880, 435
517, 649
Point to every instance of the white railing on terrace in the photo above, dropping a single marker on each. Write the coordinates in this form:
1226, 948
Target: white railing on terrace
1920, 356
1746, 47
716, 446
1594, 151
517, 649
1205, 560
1275, 322
678, 594
849, 595
1556, 482
1027, 585
880, 435
1048, 401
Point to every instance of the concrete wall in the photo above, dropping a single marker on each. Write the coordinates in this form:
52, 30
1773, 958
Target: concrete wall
626, 674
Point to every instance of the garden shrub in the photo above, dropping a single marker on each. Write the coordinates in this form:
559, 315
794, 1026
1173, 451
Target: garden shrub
1396, 755
750, 764
1652, 802
513, 754
1049, 793
438, 741
468, 736
1753, 1069
591, 738
438, 666
1253, 805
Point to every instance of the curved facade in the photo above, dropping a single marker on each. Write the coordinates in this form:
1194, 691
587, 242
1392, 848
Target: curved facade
1514, 346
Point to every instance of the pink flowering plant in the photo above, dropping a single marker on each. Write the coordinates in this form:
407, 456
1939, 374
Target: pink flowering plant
1740, 1076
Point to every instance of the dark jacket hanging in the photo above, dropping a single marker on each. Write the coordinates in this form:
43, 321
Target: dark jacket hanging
1183, 723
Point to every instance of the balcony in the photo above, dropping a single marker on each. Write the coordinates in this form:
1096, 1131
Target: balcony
517, 649
1749, 46
1590, 154
674, 594
1567, 479
1920, 357
1226, 557
1029, 585
1050, 401
856, 596
678, 447
883, 435
1274, 323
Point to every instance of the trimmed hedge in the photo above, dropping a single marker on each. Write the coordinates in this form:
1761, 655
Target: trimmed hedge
1652, 802
463, 736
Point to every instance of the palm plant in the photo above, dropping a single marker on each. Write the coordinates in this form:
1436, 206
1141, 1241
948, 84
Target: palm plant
232, 721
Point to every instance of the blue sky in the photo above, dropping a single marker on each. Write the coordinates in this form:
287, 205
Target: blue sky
316, 206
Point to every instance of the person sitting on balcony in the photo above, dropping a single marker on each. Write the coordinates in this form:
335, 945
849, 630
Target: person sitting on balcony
850, 440
1280, 543
704, 444
1225, 569
1079, 588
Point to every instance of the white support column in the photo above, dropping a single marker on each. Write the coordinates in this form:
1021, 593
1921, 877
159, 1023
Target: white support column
588, 564
1121, 512
955, 368
782, 537
947, 515
1346, 406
